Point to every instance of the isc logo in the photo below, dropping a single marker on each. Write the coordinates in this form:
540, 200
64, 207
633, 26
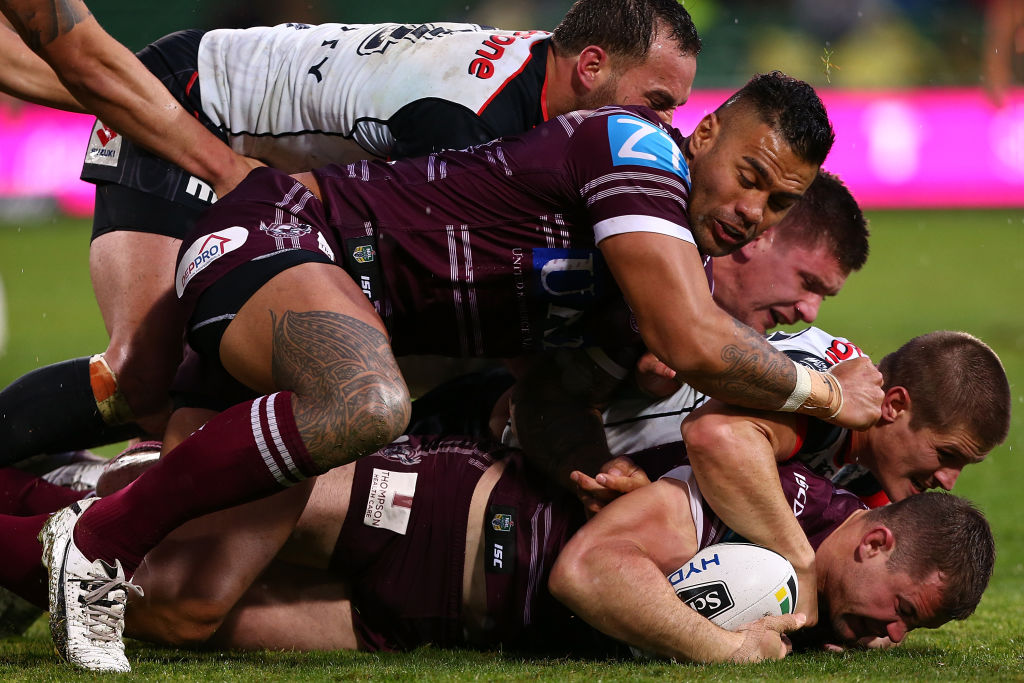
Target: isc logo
498, 555
364, 284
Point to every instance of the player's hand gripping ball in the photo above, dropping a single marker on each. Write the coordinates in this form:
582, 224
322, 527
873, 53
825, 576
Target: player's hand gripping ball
733, 584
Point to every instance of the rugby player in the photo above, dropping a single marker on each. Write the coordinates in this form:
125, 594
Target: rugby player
351, 92
781, 277
373, 559
917, 443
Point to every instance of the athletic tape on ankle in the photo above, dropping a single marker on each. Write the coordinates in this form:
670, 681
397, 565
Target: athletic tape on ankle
112, 404
800, 392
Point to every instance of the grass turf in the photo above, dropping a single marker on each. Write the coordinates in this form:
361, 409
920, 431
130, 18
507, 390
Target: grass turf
927, 270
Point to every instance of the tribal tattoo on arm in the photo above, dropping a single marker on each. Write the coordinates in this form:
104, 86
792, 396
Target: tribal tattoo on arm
349, 396
40, 22
756, 374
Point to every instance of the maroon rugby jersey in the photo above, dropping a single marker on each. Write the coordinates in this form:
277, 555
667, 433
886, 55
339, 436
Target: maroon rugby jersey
819, 506
492, 251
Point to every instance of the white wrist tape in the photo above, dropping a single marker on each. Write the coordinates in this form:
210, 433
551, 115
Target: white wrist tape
839, 408
800, 392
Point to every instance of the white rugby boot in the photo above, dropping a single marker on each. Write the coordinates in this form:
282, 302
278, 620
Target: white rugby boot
87, 599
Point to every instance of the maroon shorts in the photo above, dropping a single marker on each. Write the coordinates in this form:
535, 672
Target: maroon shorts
269, 223
403, 543
406, 567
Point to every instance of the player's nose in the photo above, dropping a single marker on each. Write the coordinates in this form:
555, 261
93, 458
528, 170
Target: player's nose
897, 630
808, 307
751, 209
947, 476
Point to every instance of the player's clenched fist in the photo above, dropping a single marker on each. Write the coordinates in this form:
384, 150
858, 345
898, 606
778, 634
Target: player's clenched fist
766, 639
862, 393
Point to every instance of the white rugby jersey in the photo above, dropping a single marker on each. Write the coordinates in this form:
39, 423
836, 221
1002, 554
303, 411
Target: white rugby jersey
300, 96
639, 423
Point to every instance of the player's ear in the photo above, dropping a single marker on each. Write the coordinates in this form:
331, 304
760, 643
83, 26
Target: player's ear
704, 135
895, 403
592, 66
877, 539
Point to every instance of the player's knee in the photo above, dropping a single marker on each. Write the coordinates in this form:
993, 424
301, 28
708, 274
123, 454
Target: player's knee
355, 423
380, 415
186, 622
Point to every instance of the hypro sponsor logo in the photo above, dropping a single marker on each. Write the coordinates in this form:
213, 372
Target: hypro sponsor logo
800, 499
205, 251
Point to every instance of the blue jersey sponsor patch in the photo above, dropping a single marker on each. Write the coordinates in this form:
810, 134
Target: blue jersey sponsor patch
637, 142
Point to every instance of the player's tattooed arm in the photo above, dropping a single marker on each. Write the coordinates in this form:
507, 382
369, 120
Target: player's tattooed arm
25, 75
556, 414
754, 373
350, 398
110, 82
664, 282
39, 22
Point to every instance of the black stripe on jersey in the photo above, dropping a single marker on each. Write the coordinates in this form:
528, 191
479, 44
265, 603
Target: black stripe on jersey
697, 402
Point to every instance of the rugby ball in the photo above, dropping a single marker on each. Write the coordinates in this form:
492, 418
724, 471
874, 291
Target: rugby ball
733, 584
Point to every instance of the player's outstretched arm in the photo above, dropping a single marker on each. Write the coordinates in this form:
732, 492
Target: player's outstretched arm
734, 454
663, 280
108, 80
26, 76
612, 574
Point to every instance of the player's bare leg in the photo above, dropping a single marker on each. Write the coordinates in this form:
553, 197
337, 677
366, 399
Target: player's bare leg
131, 275
349, 397
195, 576
183, 422
104, 398
275, 613
209, 579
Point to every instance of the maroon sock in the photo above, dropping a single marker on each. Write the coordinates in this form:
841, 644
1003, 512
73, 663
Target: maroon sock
22, 570
24, 494
247, 452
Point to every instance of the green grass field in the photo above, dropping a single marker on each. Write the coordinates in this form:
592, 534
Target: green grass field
928, 270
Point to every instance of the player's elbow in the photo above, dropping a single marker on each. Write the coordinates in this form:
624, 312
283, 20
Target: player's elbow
568, 578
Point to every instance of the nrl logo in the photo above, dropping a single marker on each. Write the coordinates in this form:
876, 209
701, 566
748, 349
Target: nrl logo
364, 254
502, 522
